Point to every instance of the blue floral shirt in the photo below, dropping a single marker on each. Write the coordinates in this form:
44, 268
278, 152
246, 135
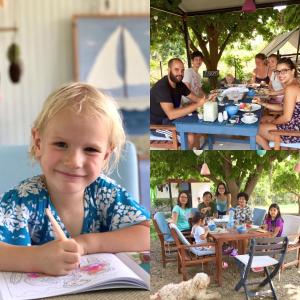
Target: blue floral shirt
23, 221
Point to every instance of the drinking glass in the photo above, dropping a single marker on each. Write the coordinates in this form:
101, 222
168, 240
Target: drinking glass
235, 97
220, 98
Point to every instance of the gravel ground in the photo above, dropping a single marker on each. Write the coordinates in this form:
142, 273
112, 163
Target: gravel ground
288, 288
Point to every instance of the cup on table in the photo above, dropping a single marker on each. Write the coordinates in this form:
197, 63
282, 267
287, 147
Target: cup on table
249, 117
200, 115
212, 227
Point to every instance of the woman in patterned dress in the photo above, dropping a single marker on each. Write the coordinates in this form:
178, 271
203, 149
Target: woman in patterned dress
290, 117
243, 213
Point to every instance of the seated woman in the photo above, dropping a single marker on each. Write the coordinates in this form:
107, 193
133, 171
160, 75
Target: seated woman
260, 73
207, 207
275, 85
223, 199
228, 80
290, 110
243, 213
182, 212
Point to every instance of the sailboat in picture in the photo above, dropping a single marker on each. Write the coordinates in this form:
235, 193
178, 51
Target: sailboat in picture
120, 68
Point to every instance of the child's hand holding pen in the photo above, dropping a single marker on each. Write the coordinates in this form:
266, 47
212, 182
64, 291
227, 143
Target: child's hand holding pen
58, 257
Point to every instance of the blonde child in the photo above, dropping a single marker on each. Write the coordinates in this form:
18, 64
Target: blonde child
77, 135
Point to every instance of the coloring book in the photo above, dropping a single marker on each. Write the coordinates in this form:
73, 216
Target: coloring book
96, 272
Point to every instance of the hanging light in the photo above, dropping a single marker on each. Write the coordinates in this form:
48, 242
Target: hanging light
261, 153
249, 6
197, 152
204, 169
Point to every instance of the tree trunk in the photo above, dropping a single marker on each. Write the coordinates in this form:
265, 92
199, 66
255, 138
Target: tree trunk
298, 204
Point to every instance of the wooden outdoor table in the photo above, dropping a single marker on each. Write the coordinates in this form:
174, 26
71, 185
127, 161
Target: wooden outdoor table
232, 235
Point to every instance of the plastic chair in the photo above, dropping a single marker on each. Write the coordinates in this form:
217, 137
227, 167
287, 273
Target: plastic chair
166, 240
190, 254
291, 229
17, 166
261, 255
258, 216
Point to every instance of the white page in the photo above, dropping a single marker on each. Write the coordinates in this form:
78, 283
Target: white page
94, 269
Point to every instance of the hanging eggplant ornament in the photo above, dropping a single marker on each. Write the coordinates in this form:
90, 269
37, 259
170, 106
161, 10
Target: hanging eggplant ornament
15, 72
15, 68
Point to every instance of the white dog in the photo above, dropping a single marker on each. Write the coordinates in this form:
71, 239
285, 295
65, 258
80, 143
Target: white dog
194, 288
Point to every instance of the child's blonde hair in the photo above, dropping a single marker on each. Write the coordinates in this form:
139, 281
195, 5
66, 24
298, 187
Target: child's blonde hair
84, 98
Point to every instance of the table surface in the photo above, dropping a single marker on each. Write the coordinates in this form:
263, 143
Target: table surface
192, 124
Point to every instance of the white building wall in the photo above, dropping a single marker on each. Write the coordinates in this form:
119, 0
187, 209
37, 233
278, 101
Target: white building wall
45, 39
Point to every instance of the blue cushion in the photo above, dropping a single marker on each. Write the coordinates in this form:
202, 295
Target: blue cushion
258, 216
161, 221
292, 145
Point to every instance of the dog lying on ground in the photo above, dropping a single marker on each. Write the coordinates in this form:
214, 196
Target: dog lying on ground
194, 288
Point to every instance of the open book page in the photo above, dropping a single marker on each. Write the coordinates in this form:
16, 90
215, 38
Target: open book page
97, 271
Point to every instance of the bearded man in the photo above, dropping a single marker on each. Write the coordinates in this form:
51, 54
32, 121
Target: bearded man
165, 99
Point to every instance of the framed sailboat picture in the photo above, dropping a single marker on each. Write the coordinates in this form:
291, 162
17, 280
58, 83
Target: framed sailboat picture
112, 53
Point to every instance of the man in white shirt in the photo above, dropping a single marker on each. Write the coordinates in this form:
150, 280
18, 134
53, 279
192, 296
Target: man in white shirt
192, 78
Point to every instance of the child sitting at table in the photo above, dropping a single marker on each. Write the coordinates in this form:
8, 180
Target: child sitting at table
77, 137
199, 232
273, 221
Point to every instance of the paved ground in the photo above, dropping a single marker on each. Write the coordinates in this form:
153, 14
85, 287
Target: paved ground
288, 288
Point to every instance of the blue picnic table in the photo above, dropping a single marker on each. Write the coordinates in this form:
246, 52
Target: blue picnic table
191, 124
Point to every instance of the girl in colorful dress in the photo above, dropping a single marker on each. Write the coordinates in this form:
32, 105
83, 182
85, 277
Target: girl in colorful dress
77, 136
273, 221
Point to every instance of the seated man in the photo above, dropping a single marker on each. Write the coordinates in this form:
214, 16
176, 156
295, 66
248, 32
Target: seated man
165, 99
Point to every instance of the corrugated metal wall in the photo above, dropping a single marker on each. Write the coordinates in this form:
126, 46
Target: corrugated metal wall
45, 38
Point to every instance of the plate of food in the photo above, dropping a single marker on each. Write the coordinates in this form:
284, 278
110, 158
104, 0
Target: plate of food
247, 107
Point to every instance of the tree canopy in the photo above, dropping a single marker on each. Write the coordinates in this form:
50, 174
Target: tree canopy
286, 180
240, 170
214, 32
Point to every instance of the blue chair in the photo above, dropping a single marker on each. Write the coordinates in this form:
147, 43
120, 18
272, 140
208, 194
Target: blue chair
258, 216
17, 166
194, 210
166, 240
